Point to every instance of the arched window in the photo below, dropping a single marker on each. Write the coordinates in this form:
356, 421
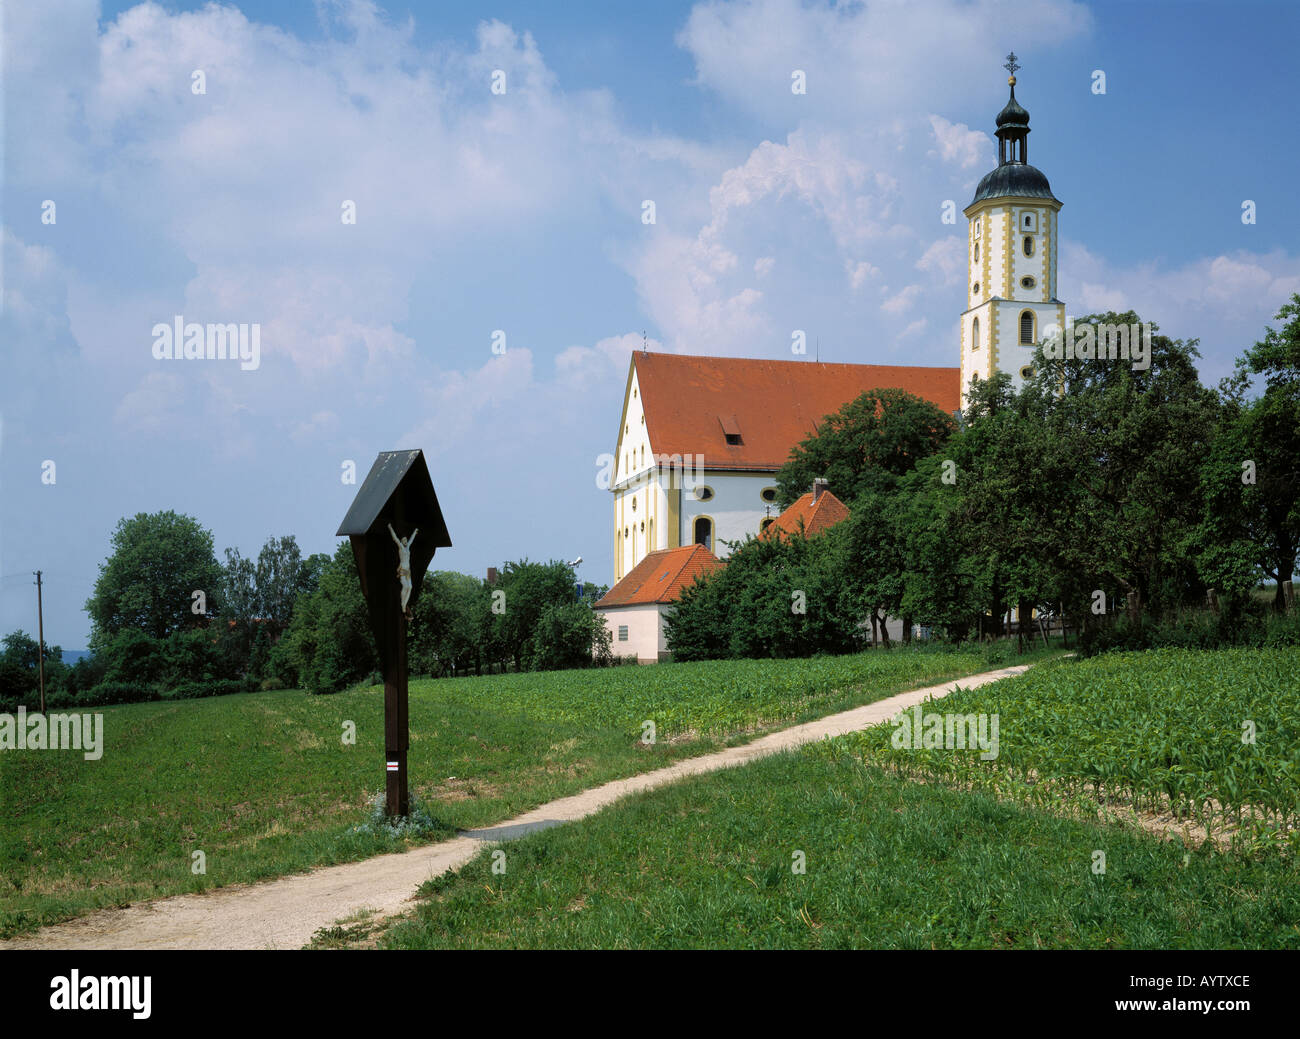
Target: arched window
977, 252
975, 334
1029, 245
704, 532
1026, 328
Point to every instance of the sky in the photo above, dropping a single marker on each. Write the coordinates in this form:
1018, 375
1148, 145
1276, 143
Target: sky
522, 212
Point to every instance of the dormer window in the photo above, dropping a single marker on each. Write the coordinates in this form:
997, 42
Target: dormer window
730, 430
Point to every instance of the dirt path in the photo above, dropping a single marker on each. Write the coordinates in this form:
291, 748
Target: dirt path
285, 913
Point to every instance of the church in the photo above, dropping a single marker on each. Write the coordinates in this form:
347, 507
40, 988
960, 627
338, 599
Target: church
700, 439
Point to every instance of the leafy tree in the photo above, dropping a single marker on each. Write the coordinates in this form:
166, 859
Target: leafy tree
328, 644
1123, 439
529, 588
1252, 529
158, 561
865, 446
569, 635
776, 597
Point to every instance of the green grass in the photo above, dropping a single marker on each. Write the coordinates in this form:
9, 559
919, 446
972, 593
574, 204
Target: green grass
707, 863
263, 785
1145, 730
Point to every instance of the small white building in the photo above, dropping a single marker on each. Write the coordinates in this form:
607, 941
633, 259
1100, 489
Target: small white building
635, 607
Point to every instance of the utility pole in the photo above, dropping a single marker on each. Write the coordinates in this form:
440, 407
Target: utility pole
40, 629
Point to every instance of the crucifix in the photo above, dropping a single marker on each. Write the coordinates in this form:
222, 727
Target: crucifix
396, 495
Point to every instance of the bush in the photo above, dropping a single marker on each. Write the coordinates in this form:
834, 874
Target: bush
116, 692
199, 690
1237, 625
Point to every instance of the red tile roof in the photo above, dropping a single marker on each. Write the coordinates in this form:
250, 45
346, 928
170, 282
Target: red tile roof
803, 517
661, 576
692, 403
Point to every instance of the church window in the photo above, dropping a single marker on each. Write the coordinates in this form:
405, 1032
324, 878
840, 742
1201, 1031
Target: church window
1027, 282
1029, 245
766, 523
975, 288
977, 252
704, 532
1029, 221
634, 505
768, 494
704, 493
1027, 372
1026, 328
975, 334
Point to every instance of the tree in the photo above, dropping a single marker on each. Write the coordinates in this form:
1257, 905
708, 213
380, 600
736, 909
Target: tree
569, 635
528, 589
158, 561
865, 446
328, 644
776, 597
268, 589
1251, 480
1125, 443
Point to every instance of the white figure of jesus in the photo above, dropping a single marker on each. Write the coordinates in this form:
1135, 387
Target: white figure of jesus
404, 566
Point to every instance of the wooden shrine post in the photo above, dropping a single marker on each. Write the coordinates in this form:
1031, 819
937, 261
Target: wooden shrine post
395, 526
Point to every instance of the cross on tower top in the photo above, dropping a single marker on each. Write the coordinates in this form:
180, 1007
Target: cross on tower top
1011, 66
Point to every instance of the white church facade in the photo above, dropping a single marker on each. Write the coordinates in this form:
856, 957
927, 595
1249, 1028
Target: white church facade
700, 439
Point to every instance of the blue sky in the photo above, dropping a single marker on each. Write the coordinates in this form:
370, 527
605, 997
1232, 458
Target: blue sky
522, 212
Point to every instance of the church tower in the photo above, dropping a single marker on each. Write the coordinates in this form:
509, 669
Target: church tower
1011, 250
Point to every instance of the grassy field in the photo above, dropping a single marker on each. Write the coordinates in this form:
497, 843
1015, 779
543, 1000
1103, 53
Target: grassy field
1211, 736
263, 784
990, 854
890, 863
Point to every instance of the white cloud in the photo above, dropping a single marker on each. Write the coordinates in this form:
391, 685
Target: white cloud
901, 302
875, 58
946, 257
959, 144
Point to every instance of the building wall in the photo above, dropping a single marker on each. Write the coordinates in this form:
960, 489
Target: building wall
636, 520
736, 507
645, 631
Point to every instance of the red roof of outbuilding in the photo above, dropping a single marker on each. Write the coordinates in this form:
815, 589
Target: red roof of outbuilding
692, 403
805, 517
661, 576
